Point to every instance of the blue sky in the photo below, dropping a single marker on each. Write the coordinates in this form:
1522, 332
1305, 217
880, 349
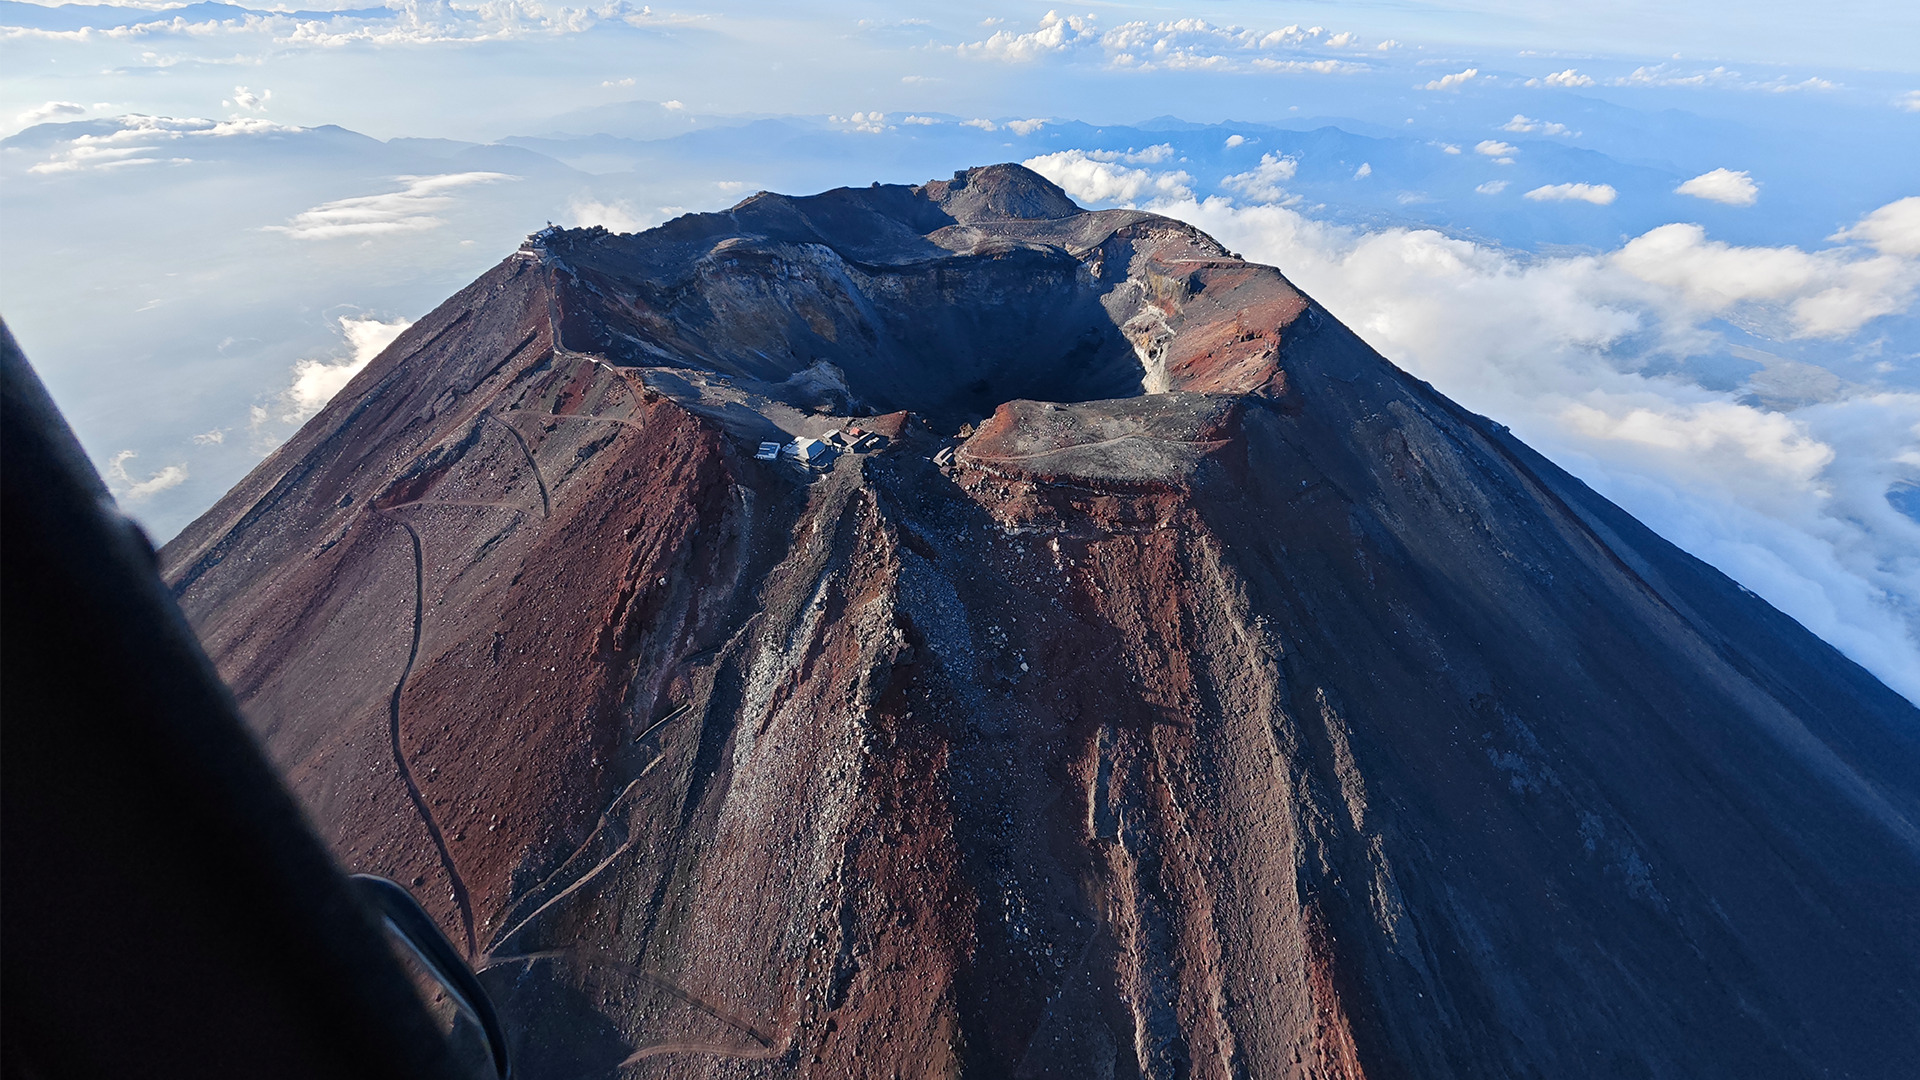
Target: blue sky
1676, 247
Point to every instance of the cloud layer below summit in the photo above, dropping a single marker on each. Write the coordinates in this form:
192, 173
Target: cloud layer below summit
1782, 482
1691, 279
1782, 479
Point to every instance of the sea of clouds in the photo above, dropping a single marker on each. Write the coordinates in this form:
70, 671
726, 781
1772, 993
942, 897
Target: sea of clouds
1793, 504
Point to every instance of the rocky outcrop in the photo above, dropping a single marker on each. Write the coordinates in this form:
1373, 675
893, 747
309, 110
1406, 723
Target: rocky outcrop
1229, 703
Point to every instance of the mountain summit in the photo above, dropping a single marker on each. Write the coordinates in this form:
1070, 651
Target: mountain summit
938, 631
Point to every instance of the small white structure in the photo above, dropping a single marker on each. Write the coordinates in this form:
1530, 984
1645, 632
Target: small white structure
808, 451
768, 451
944, 457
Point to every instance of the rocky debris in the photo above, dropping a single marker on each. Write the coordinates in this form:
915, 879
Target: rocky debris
1156, 438
1228, 704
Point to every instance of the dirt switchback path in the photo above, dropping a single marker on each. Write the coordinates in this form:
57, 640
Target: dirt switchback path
458, 885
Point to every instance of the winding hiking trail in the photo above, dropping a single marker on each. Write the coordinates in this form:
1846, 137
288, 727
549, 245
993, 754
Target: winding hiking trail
470, 504
399, 755
546, 503
461, 897
573, 886
606, 817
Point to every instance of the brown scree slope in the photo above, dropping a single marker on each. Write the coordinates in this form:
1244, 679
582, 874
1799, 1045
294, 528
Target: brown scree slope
1232, 705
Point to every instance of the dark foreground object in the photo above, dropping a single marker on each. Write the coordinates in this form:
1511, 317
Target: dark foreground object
167, 910
1240, 708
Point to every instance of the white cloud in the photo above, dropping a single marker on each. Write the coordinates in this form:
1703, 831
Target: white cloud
1722, 186
411, 209
410, 23
919, 121
1568, 79
315, 382
1262, 183
1236, 140
674, 105
1492, 187
1024, 127
126, 487
1524, 124
1365, 170
246, 125
211, 438
1449, 148
983, 125
1453, 81
1501, 153
1186, 44
1894, 229
1666, 75
618, 215
872, 123
1291, 36
1790, 504
1090, 179
617, 84
1056, 33
1318, 67
1784, 291
1597, 194
87, 154
403, 24
1910, 101
138, 139
244, 98
1152, 155
1771, 440
142, 140
1387, 44
52, 110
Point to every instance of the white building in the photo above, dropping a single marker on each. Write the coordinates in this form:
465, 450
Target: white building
808, 451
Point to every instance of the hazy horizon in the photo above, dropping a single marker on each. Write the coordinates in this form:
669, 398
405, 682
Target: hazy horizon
1677, 252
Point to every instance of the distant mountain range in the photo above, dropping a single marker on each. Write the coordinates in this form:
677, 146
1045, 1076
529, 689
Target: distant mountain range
112, 17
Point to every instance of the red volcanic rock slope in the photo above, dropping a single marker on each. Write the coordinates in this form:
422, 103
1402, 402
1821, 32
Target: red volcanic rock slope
1229, 704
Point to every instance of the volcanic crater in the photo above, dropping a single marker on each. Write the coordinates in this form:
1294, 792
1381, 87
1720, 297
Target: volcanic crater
1159, 683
